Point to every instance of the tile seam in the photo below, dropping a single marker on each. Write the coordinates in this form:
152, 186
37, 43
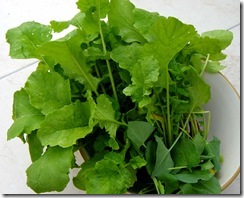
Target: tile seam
17, 70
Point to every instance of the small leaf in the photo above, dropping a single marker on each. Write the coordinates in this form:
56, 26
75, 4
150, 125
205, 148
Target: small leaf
137, 162
59, 26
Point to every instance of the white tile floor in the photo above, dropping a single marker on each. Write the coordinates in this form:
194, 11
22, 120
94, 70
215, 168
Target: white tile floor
203, 14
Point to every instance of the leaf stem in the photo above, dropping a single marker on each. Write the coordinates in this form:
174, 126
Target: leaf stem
99, 76
168, 111
107, 61
205, 65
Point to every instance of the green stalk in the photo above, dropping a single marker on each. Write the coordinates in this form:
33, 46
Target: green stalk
170, 138
99, 76
107, 61
205, 65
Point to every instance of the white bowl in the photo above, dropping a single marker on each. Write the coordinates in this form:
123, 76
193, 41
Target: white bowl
225, 125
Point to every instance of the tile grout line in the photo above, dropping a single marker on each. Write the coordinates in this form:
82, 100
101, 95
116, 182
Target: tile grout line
233, 26
17, 70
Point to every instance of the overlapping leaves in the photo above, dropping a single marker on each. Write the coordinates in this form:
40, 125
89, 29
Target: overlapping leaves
67, 103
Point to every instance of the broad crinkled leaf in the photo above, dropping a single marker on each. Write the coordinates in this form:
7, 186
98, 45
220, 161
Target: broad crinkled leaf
68, 53
25, 38
167, 36
51, 171
107, 177
105, 115
65, 126
48, 90
127, 56
26, 117
123, 20
143, 75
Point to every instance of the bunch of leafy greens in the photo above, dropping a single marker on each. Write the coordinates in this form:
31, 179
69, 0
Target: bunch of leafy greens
125, 87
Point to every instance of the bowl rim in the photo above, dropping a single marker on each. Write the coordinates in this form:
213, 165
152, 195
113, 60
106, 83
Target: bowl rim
234, 176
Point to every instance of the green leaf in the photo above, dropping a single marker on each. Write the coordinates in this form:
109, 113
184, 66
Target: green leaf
65, 126
167, 36
143, 75
80, 180
26, 117
170, 181
199, 61
137, 162
144, 20
51, 171
25, 39
194, 176
94, 11
212, 149
100, 7
159, 186
163, 159
211, 186
68, 54
127, 56
107, 177
35, 147
48, 90
105, 116
224, 36
199, 91
207, 165
138, 132
185, 153
150, 153
123, 21
59, 26
214, 67
199, 142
